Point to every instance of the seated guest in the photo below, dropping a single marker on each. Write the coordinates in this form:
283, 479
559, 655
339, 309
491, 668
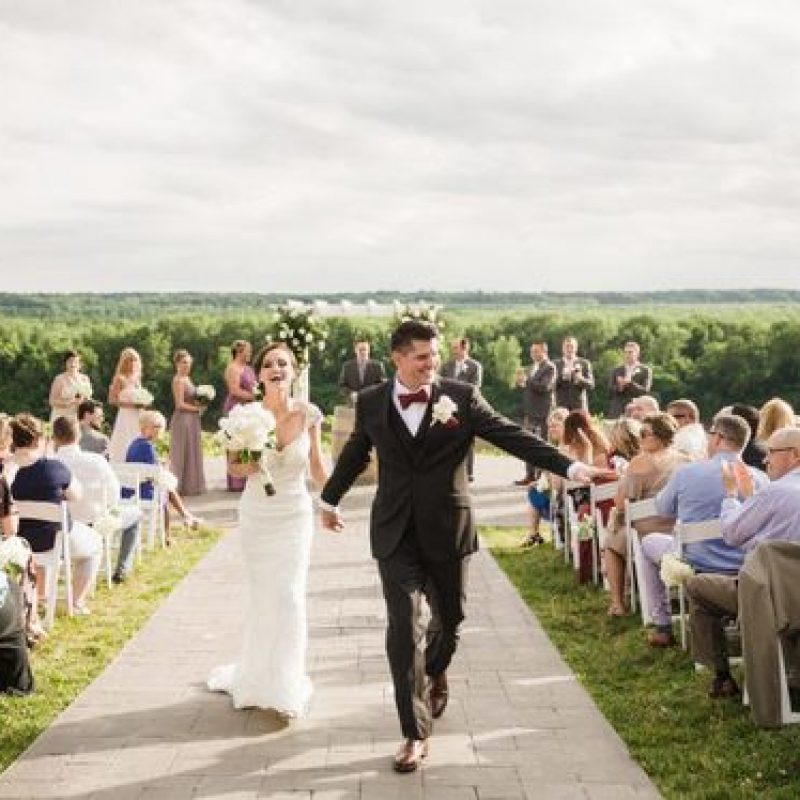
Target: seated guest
15, 670
101, 492
625, 440
539, 492
142, 451
774, 415
7, 465
646, 474
640, 407
48, 480
694, 493
90, 417
691, 437
755, 452
773, 513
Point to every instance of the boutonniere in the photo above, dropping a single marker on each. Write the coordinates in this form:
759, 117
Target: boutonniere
444, 412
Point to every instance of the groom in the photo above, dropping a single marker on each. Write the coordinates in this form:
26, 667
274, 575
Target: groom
422, 529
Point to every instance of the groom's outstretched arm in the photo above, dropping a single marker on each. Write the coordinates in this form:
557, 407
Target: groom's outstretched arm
509, 436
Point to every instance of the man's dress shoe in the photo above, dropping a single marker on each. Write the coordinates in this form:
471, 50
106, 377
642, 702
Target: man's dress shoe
410, 755
439, 695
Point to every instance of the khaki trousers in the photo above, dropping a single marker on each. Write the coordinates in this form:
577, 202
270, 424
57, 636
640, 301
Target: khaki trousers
712, 600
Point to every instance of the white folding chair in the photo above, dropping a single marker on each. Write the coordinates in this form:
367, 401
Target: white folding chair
689, 533
51, 560
598, 493
98, 489
571, 547
131, 475
634, 511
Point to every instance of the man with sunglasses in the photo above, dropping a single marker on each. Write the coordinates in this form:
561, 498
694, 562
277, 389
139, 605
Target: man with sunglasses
772, 513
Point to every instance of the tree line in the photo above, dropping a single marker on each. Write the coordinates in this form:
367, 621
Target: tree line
713, 360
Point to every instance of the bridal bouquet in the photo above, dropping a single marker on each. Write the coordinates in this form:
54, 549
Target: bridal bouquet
205, 393
249, 430
301, 330
14, 556
137, 395
79, 388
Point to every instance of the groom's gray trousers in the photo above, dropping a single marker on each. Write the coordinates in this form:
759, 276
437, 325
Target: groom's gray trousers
415, 650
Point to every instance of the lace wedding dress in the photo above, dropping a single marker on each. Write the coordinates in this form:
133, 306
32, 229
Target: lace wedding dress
276, 542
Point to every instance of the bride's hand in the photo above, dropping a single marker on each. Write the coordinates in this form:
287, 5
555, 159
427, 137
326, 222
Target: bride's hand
332, 521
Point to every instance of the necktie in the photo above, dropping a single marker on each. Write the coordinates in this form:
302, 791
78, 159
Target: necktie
362, 368
420, 396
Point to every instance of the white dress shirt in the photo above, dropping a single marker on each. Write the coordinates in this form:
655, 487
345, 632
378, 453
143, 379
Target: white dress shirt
414, 414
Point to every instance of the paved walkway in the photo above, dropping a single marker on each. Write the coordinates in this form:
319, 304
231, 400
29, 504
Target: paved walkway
518, 724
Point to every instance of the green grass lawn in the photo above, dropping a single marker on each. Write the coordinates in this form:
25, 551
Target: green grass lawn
78, 649
691, 746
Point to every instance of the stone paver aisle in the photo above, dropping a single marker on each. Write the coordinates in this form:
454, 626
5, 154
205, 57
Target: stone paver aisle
518, 724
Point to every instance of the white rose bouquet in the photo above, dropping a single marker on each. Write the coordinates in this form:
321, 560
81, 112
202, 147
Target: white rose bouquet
137, 396
249, 430
15, 553
673, 571
205, 393
78, 388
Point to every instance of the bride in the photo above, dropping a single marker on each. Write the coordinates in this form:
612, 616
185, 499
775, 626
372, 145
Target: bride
276, 542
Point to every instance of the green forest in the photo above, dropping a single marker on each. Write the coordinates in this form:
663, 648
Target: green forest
745, 353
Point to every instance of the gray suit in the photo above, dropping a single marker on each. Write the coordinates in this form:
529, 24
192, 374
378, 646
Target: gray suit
537, 396
468, 371
471, 371
351, 380
641, 381
571, 391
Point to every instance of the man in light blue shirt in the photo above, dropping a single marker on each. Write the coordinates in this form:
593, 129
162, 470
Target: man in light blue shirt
773, 513
694, 493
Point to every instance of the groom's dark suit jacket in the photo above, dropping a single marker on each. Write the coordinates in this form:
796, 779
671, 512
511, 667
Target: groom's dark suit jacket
422, 480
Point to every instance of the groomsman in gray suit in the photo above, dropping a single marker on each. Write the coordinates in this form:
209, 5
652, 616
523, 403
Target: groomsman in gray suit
537, 397
461, 367
360, 372
628, 381
574, 377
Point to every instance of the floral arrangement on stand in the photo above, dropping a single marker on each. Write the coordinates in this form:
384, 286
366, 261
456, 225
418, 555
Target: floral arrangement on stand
301, 329
421, 311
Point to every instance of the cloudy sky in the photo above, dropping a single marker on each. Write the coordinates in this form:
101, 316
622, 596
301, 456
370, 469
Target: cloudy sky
324, 145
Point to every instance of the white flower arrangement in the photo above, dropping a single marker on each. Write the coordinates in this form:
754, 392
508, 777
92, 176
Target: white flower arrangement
586, 529
249, 430
421, 311
137, 396
301, 330
78, 388
673, 571
166, 480
15, 553
109, 524
444, 410
205, 393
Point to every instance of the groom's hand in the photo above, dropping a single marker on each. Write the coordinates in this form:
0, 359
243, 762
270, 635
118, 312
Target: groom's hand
332, 521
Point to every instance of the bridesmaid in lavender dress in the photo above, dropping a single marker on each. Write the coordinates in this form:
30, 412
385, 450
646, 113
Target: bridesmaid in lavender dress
185, 450
241, 382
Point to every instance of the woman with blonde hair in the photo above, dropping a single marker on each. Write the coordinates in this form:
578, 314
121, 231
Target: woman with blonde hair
774, 415
127, 378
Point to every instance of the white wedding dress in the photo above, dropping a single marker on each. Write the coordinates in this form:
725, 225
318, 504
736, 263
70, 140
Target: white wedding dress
276, 543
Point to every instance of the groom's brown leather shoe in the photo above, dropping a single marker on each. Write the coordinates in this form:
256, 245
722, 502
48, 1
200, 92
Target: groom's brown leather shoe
410, 755
439, 695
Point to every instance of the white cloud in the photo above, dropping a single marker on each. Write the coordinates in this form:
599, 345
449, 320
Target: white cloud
340, 145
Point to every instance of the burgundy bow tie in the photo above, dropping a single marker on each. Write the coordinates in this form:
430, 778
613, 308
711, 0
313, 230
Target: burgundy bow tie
420, 396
